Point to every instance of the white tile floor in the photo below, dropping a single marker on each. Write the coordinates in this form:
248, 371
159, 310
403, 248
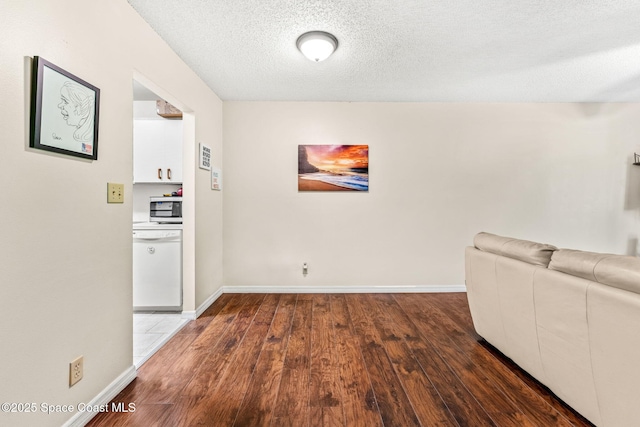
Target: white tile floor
151, 331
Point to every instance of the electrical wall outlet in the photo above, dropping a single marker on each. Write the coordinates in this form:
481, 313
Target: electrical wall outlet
115, 193
76, 370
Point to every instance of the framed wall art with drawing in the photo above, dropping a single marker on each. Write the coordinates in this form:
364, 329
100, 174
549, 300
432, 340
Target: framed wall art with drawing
64, 112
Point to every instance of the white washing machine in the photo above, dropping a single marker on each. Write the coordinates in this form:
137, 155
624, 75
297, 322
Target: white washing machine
157, 270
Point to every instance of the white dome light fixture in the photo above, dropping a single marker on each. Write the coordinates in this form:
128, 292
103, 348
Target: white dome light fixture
317, 45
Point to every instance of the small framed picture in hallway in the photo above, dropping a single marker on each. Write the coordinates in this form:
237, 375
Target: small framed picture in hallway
64, 112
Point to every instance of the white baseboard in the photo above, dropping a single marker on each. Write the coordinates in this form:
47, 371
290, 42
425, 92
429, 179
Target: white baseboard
80, 419
189, 315
158, 345
343, 289
193, 315
209, 301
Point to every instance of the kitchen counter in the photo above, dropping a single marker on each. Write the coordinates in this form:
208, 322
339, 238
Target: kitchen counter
155, 226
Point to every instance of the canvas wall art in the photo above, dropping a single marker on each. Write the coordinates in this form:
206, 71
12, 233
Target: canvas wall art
333, 168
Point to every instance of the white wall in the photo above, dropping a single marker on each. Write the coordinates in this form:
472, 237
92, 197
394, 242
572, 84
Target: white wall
209, 243
439, 173
65, 254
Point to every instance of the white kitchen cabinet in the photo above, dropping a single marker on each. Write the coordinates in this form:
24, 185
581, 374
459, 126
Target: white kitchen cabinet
157, 151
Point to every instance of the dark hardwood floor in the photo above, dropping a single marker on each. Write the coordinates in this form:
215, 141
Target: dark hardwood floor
335, 360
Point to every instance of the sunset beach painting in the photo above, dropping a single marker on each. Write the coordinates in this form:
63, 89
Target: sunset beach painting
333, 168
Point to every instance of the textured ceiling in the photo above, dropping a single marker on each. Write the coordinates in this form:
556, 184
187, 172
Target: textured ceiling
409, 50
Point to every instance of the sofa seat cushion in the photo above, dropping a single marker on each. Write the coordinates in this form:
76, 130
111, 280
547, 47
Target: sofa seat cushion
522, 250
619, 271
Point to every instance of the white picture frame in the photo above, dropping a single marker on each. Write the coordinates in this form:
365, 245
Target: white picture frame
204, 157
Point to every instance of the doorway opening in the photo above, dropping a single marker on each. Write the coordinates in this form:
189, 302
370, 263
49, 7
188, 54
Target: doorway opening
158, 273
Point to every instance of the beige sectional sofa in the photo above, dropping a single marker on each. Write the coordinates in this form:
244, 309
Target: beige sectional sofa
569, 318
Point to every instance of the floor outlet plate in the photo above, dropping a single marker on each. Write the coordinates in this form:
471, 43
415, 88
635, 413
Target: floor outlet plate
76, 370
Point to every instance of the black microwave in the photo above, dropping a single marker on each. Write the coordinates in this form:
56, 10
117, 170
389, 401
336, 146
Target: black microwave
165, 209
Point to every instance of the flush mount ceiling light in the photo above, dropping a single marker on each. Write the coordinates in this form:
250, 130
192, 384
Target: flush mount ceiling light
317, 45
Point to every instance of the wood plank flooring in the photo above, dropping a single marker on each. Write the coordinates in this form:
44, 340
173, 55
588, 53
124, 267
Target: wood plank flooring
335, 360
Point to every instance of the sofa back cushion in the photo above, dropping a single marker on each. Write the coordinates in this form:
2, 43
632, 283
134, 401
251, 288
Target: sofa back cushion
619, 271
576, 263
523, 250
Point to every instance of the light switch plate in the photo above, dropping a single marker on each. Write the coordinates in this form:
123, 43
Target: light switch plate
115, 193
